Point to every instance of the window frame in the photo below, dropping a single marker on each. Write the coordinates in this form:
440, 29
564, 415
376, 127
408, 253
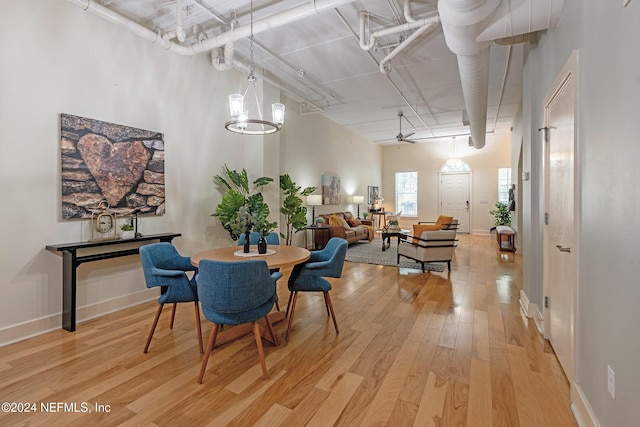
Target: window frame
406, 213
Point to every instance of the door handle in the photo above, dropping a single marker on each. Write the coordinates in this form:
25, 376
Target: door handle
561, 249
467, 204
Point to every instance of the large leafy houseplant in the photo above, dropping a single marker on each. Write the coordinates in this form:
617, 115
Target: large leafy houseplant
242, 209
295, 214
501, 214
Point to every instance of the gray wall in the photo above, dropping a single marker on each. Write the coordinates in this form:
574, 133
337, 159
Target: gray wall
606, 36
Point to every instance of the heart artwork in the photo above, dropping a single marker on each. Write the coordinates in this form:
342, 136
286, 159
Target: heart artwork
116, 166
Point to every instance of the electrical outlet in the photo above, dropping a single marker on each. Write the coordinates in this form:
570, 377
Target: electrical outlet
611, 382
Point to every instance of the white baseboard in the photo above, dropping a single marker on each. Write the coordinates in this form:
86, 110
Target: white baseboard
481, 232
532, 311
582, 409
22, 331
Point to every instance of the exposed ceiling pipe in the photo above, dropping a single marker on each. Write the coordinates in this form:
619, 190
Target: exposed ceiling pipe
395, 86
390, 31
407, 11
313, 7
384, 68
469, 29
179, 32
226, 61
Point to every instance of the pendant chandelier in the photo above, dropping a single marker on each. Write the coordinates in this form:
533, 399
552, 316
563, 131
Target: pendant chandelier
238, 103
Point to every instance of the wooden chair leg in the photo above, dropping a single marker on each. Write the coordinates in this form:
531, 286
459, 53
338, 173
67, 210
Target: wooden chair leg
286, 314
210, 344
173, 315
153, 327
198, 326
256, 333
327, 299
277, 303
274, 337
293, 308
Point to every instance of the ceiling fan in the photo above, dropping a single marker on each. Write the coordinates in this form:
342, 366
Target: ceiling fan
403, 138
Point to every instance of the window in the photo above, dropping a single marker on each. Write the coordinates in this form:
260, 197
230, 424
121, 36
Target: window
504, 182
407, 193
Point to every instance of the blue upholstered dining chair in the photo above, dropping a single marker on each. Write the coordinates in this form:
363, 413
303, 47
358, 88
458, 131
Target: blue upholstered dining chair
163, 266
271, 238
233, 293
309, 277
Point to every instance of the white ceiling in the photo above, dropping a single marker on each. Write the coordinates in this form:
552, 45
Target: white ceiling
319, 61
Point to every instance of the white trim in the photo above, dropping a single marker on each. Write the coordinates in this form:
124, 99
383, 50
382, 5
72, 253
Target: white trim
581, 408
531, 311
481, 232
32, 328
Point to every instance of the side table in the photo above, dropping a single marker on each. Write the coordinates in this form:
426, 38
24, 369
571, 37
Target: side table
388, 234
320, 235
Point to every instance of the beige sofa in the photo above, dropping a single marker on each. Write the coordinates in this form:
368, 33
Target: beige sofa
350, 232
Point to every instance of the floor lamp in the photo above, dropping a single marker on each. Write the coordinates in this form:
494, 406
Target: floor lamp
314, 200
358, 200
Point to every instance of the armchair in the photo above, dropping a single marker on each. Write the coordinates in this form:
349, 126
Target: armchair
431, 246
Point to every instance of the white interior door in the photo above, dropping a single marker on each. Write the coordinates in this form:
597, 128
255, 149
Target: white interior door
560, 248
455, 198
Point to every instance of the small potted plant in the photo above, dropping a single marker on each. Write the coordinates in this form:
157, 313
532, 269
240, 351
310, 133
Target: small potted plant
319, 222
365, 215
393, 225
127, 231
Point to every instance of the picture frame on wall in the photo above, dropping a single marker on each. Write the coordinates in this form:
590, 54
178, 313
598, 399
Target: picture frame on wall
373, 194
107, 163
330, 190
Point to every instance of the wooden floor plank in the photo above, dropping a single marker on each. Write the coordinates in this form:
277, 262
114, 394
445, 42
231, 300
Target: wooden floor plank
480, 410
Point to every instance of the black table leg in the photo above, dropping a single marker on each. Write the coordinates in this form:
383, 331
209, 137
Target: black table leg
69, 265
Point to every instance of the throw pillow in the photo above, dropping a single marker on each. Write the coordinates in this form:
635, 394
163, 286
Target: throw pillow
344, 223
419, 228
334, 220
357, 221
352, 223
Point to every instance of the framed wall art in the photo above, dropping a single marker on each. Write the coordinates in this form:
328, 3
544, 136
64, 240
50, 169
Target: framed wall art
373, 194
330, 190
102, 161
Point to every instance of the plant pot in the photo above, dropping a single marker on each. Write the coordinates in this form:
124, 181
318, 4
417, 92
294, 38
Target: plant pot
127, 234
262, 245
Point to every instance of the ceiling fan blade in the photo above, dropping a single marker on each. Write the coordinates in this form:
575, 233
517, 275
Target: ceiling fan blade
410, 141
408, 135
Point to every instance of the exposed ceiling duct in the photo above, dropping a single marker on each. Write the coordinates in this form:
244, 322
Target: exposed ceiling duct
218, 40
471, 26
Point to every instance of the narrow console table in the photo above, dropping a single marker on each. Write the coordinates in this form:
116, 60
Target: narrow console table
71, 261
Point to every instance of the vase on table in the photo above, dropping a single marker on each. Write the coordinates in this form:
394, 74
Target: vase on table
262, 245
247, 242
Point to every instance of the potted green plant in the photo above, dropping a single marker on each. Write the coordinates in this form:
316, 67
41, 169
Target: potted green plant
501, 214
242, 208
127, 231
393, 225
365, 215
295, 214
319, 222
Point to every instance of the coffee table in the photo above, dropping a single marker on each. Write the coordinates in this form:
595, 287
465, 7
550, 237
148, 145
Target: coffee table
388, 234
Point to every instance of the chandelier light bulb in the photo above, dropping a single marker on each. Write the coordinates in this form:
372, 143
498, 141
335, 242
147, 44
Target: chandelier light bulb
236, 104
277, 111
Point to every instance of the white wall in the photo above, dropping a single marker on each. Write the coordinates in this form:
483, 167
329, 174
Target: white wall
428, 158
59, 59
605, 35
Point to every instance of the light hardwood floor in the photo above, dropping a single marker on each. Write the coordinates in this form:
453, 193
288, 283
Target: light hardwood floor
414, 349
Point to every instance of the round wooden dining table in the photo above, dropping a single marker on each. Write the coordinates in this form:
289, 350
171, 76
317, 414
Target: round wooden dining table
283, 256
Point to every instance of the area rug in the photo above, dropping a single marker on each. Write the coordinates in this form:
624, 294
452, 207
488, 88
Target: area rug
371, 253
